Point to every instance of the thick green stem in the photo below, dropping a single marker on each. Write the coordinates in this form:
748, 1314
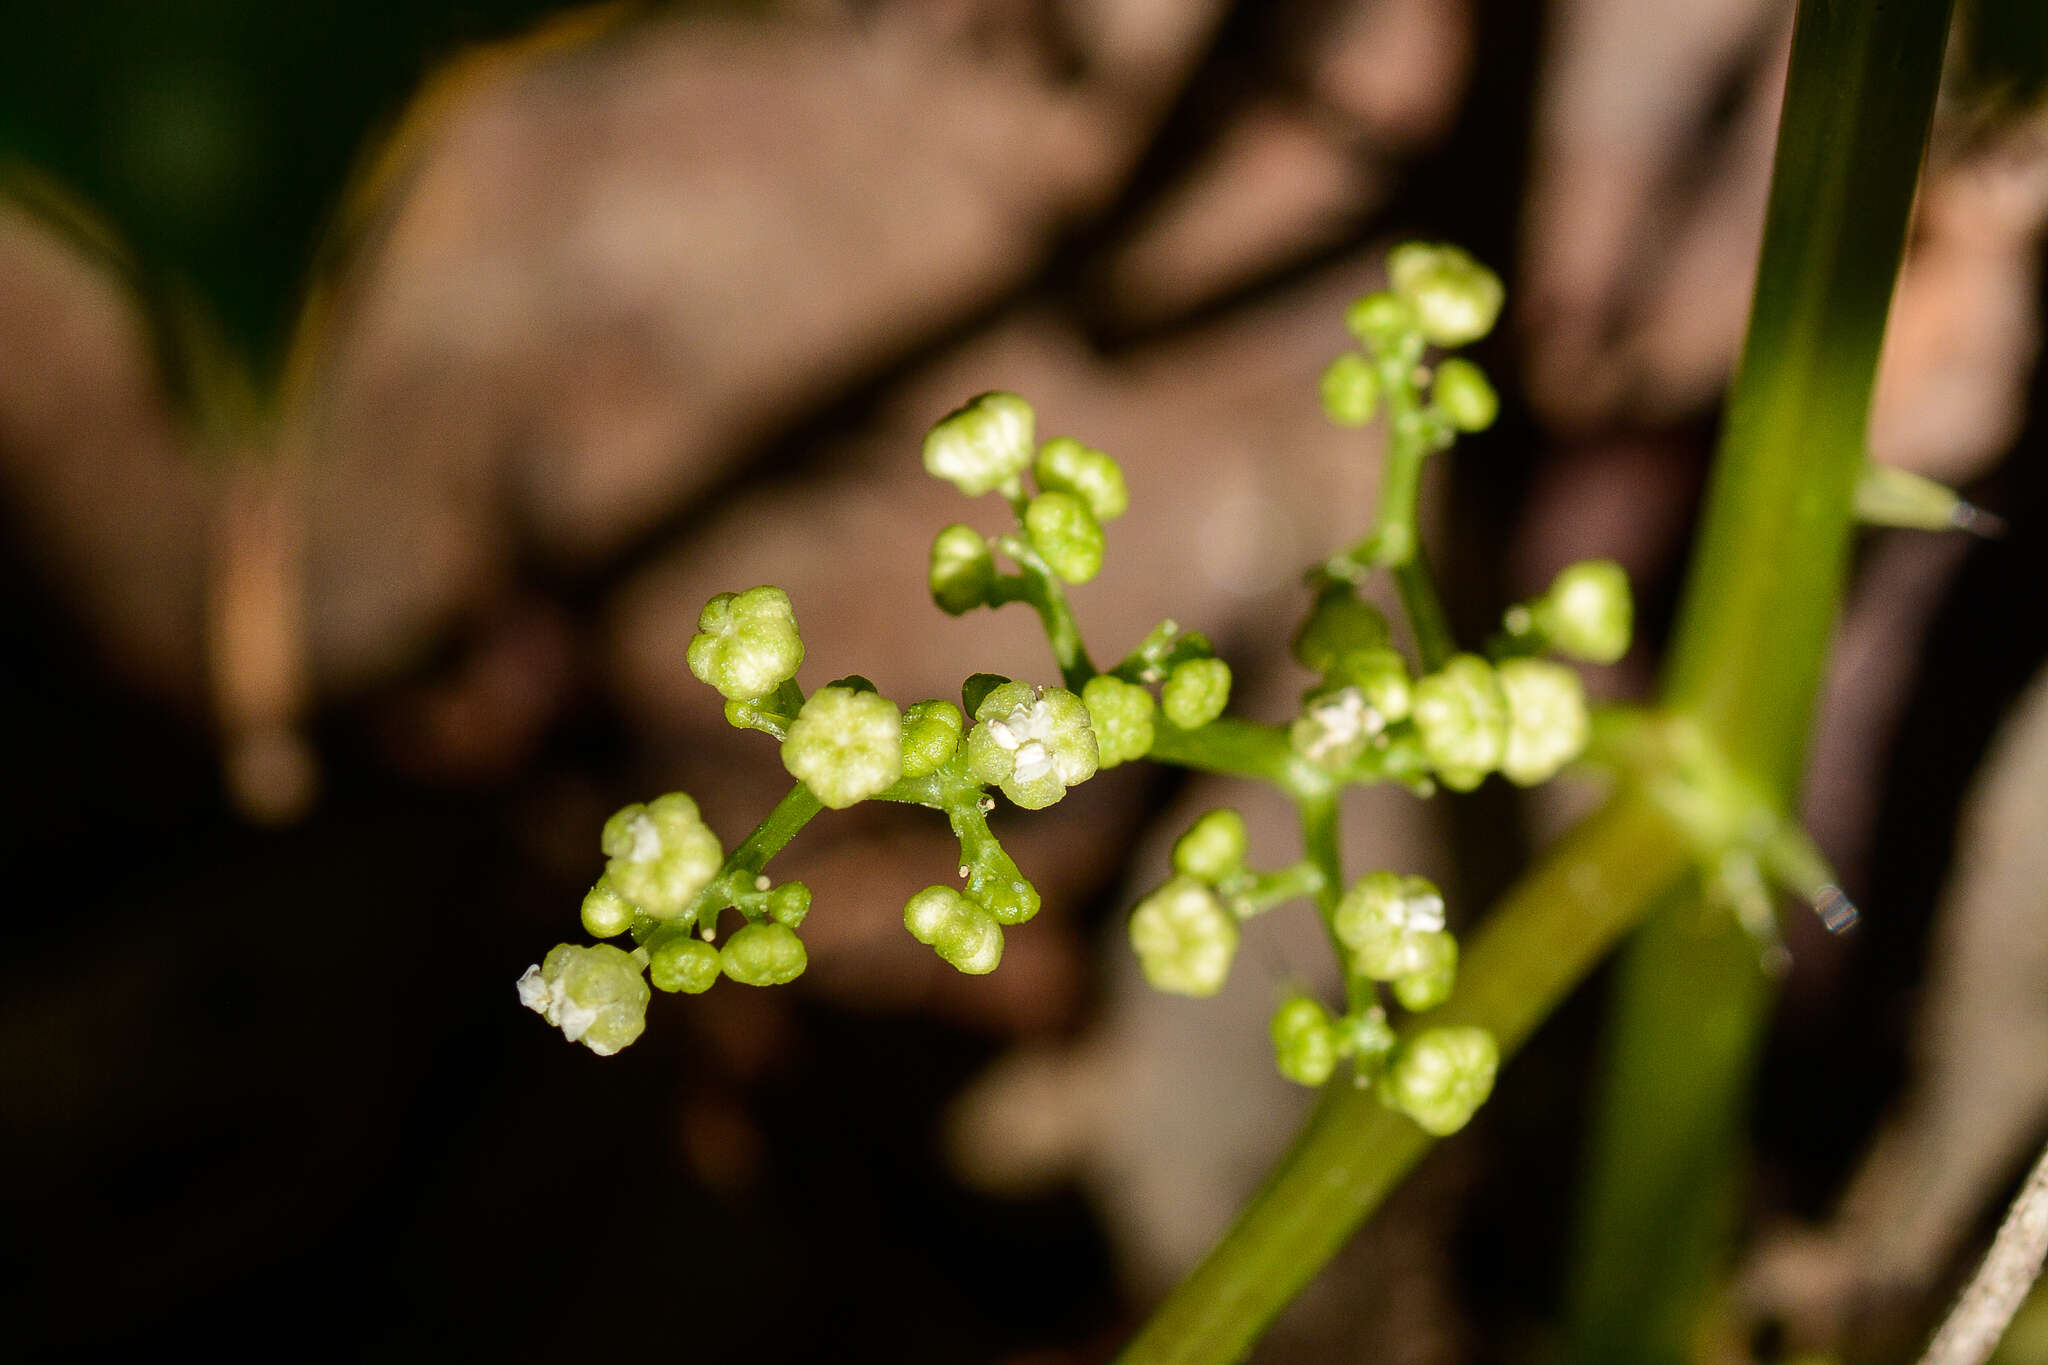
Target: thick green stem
1747, 660
1664, 1196
1548, 932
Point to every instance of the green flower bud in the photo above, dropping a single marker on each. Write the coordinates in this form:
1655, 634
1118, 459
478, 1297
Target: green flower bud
1034, 742
1369, 1039
960, 931
595, 995
1350, 390
1002, 890
1463, 396
1066, 535
746, 643
976, 689
1121, 714
1340, 621
982, 446
1461, 717
790, 903
764, 955
1392, 925
846, 746
1431, 986
661, 854
1213, 847
1381, 675
1587, 613
962, 569
1547, 720
684, 964
1440, 1077
1066, 466
606, 914
930, 911
1196, 692
1380, 319
1184, 938
1304, 1041
931, 735
1456, 299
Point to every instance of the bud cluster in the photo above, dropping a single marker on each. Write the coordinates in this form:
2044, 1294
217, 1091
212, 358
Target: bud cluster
1384, 706
1435, 296
986, 447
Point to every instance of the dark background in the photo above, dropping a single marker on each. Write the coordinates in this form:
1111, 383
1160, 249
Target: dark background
263, 1079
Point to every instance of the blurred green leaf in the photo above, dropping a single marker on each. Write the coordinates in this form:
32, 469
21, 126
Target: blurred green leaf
215, 137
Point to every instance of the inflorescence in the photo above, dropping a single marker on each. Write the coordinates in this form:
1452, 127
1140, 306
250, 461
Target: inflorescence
1426, 715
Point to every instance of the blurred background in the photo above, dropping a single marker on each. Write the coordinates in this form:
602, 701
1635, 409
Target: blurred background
309, 734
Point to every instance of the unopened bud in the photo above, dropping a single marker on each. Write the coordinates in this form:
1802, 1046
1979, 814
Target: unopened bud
747, 643
1440, 1077
1461, 716
1463, 396
660, 854
846, 746
1587, 614
764, 955
1066, 466
1350, 390
1304, 1041
1121, 715
1184, 938
1455, 298
962, 569
1548, 724
1196, 692
1066, 535
982, 446
684, 964
1213, 847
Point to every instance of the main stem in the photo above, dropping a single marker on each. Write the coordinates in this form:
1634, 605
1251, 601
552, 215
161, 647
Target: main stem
1663, 1188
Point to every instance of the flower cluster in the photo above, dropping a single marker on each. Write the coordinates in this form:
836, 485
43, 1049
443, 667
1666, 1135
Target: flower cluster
1386, 705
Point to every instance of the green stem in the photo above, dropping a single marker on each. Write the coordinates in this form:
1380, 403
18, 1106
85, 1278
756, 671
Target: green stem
1746, 662
1433, 638
750, 859
1395, 536
1283, 884
1542, 938
1040, 587
1322, 844
1239, 748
